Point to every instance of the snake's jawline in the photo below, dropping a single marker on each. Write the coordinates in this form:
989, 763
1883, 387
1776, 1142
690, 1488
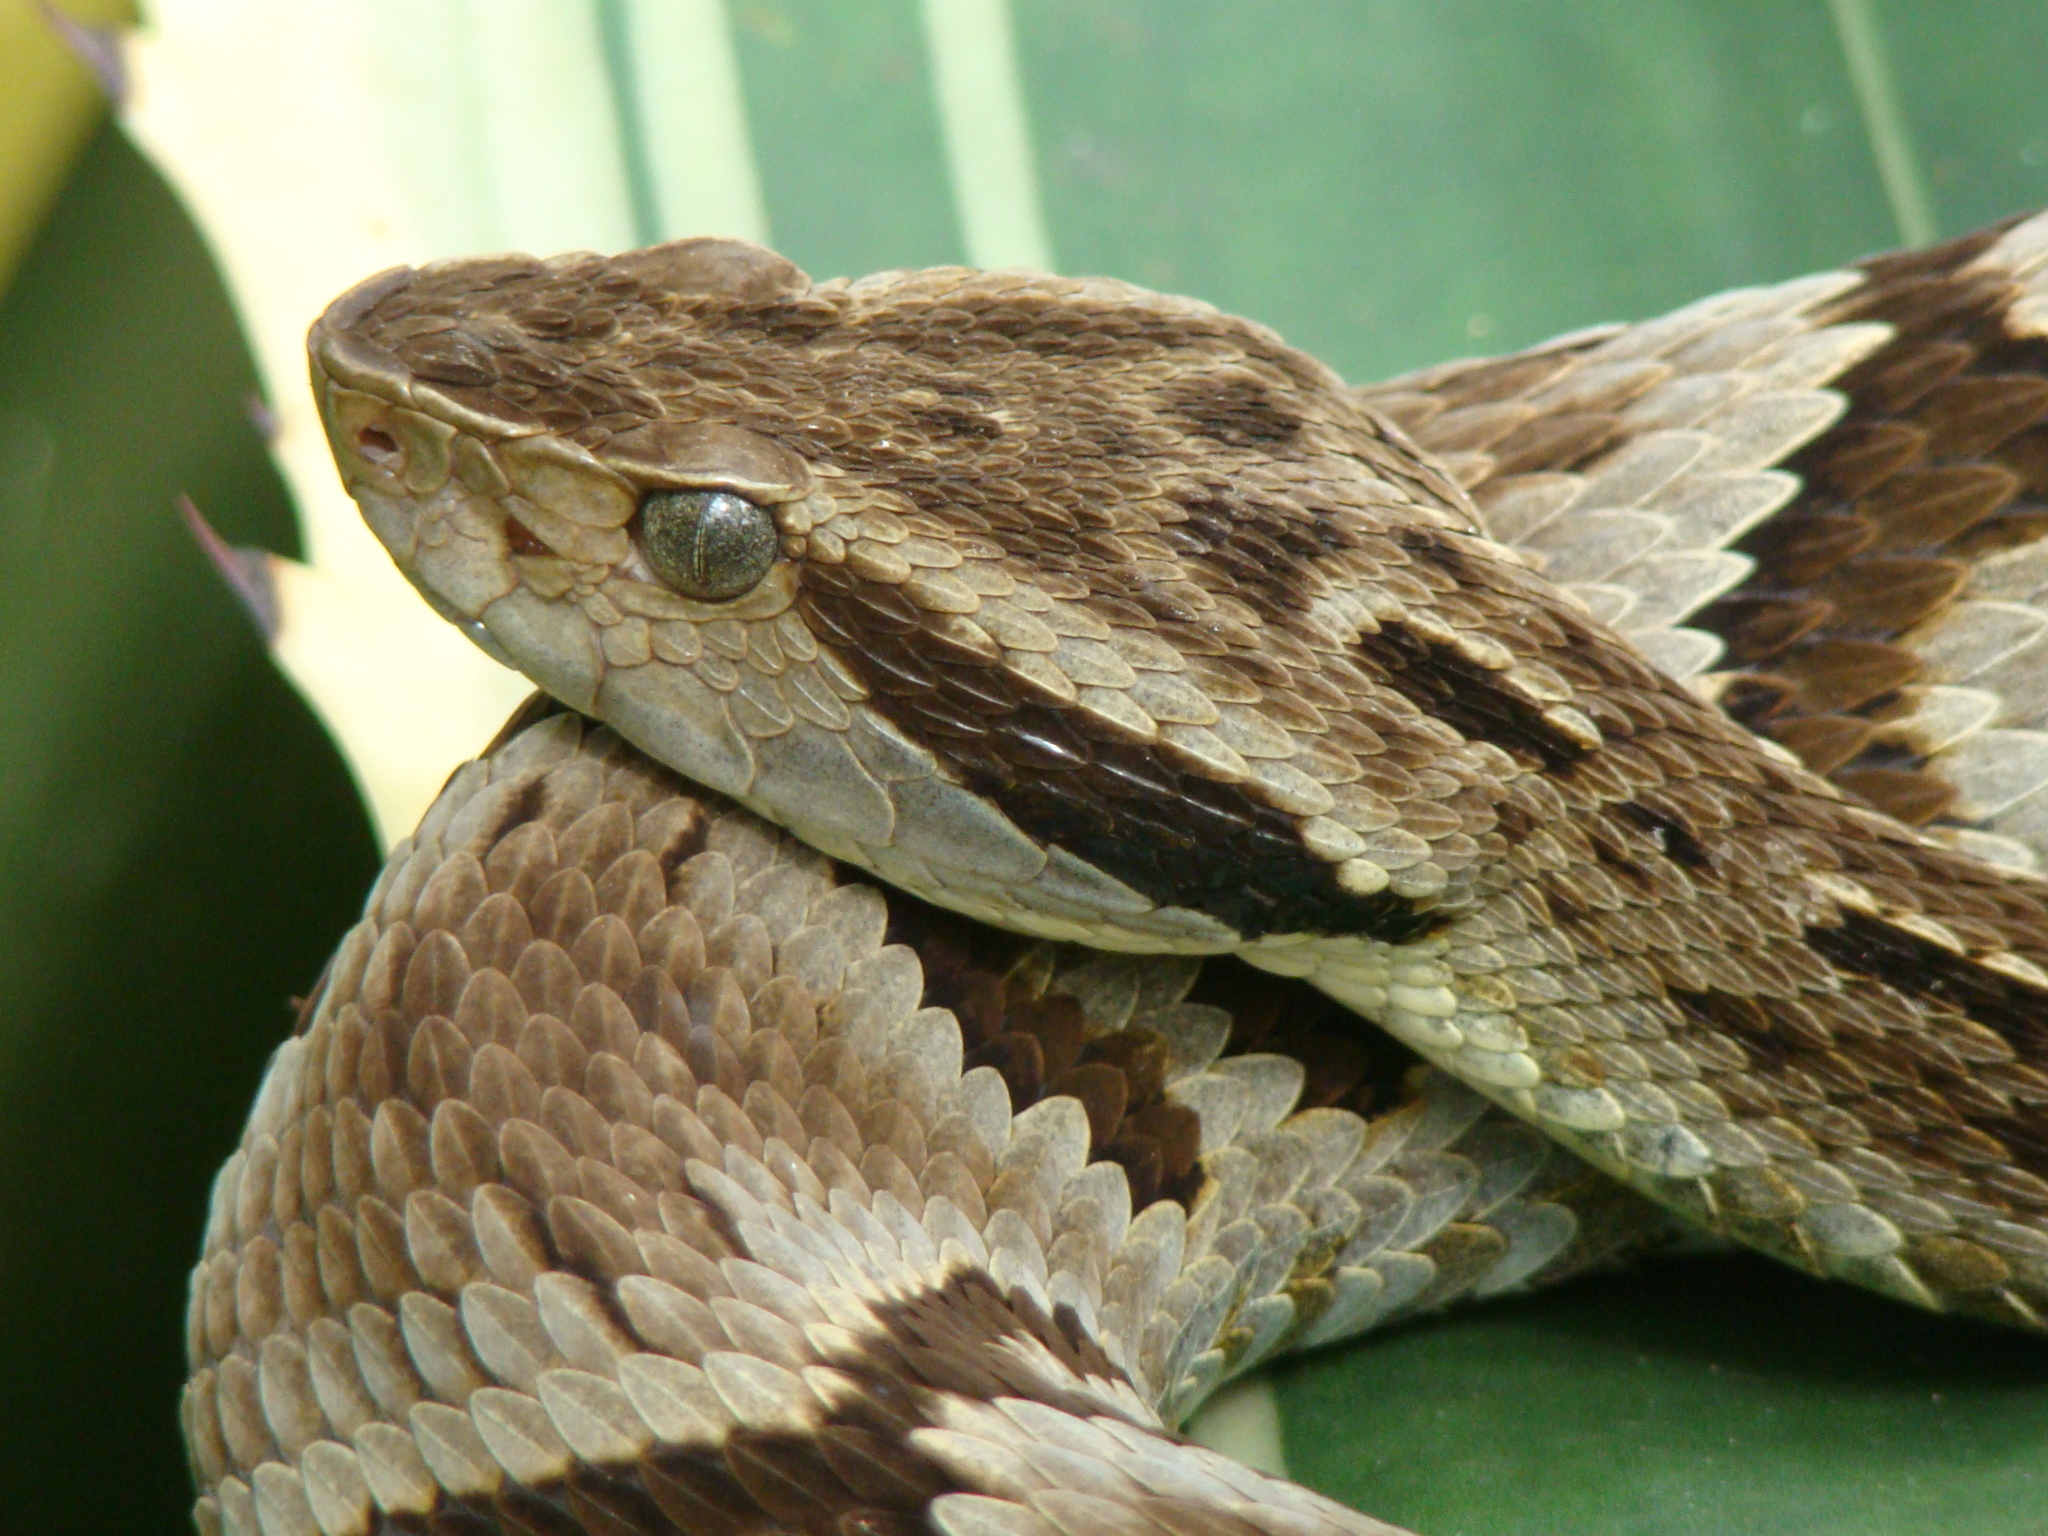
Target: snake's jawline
1273, 885
1308, 898
1182, 840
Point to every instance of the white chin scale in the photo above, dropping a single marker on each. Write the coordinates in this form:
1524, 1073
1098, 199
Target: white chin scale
869, 796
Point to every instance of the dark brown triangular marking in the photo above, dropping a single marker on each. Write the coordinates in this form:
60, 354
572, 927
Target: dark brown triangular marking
1920, 968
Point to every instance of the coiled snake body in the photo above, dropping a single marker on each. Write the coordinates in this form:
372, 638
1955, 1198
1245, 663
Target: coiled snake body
1644, 730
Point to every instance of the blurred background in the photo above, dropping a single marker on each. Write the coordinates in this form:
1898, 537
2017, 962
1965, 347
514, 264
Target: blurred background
1388, 182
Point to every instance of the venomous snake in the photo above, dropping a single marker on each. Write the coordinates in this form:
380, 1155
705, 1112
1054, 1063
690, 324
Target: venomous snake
1644, 730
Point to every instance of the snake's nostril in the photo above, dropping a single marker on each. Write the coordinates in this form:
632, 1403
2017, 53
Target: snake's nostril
377, 445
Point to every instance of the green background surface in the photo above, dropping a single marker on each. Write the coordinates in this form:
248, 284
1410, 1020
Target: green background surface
1389, 184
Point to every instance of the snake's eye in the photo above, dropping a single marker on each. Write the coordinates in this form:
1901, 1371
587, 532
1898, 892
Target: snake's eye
709, 545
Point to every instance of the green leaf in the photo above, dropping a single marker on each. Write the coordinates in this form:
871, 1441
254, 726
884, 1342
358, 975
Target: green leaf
179, 846
1691, 1397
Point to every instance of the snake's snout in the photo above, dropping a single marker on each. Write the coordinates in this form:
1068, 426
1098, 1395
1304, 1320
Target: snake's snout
363, 391
425, 486
338, 348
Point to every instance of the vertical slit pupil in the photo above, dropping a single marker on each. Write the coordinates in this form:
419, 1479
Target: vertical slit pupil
710, 545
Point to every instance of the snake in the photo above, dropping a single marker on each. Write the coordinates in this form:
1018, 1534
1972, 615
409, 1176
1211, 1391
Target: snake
1064, 851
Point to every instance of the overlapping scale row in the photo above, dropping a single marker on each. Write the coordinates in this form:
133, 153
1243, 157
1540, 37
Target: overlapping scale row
1830, 491
1805, 1029
630, 1170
